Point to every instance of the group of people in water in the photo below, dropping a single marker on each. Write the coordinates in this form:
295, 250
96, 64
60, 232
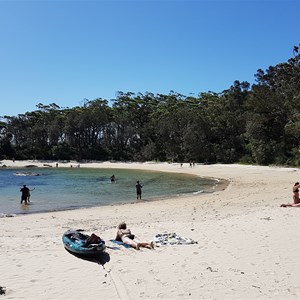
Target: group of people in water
138, 187
25, 196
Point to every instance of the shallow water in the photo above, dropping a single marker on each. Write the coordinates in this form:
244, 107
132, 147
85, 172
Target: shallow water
64, 188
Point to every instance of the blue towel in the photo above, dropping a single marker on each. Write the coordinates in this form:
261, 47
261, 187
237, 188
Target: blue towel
120, 243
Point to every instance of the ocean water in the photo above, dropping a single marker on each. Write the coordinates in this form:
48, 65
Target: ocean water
71, 188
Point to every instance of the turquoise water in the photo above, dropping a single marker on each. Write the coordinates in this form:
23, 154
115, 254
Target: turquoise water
70, 188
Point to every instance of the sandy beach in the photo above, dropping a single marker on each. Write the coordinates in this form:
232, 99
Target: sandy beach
247, 244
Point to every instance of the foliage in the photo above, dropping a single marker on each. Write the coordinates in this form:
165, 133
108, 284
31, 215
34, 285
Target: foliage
248, 124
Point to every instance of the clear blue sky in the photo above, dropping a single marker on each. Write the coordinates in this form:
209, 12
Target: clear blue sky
65, 51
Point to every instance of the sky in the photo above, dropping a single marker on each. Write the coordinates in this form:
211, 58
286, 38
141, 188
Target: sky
66, 51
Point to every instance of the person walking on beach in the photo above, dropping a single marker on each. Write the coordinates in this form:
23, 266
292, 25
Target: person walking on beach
124, 235
138, 187
25, 194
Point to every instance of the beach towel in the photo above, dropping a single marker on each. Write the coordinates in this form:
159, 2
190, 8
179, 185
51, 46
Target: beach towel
120, 243
164, 239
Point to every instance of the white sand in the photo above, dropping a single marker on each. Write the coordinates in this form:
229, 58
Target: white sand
247, 245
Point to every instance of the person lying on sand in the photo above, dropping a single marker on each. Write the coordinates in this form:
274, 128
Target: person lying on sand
290, 205
296, 193
124, 235
295, 197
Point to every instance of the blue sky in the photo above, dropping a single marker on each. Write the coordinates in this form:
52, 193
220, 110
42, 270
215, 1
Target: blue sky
66, 51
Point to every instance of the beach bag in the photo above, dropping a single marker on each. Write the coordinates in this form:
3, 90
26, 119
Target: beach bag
93, 239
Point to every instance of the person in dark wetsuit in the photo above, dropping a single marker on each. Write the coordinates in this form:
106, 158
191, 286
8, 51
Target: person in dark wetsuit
25, 194
112, 178
295, 196
138, 187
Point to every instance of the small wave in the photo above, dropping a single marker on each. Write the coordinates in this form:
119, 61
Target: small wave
198, 192
26, 174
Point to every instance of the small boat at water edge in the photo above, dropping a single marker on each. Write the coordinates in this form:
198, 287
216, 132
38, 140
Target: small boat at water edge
77, 243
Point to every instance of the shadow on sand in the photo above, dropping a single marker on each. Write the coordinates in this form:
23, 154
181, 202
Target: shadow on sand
100, 259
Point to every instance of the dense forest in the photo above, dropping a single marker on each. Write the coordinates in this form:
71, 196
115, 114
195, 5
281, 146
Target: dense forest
257, 123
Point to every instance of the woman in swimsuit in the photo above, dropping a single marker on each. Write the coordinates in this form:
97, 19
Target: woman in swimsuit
124, 235
295, 197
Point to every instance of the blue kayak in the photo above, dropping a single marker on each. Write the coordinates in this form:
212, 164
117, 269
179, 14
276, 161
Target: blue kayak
75, 242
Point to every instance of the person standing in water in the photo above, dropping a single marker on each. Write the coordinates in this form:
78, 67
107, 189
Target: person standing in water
28, 198
112, 178
25, 194
138, 187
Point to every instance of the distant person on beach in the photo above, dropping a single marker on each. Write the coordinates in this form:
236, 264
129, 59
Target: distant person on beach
124, 235
295, 196
25, 194
138, 187
112, 178
290, 205
296, 193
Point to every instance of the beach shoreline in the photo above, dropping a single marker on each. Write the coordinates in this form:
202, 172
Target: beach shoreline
34, 169
245, 250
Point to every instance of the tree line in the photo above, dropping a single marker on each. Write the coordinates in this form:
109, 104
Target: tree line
258, 123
